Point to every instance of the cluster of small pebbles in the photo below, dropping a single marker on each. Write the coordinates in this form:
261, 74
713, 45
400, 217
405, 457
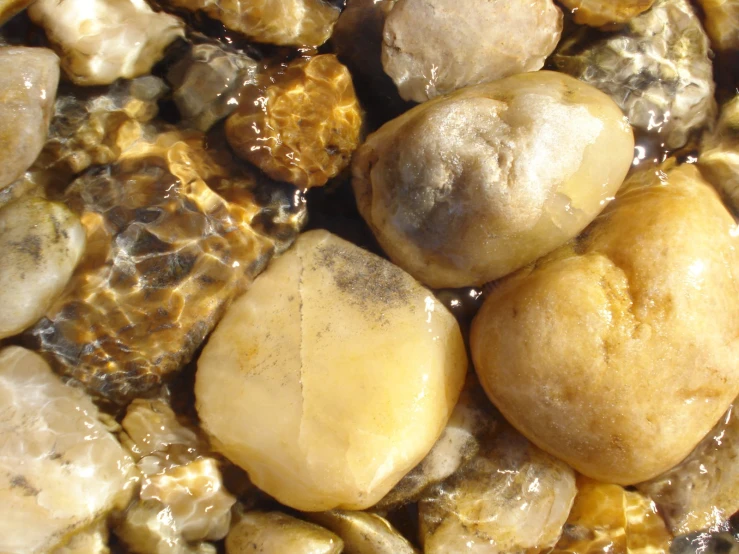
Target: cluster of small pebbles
369, 277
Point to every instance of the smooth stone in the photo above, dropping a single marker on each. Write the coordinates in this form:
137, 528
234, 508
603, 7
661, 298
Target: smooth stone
702, 492
434, 47
42, 242
466, 188
600, 13
355, 365
277, 533
722, 23
719, 154
618, 352
28, 83
364, 532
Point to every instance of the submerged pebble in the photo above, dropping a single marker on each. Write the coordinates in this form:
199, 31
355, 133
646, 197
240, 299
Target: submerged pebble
60, 469
511, 497
275, 533
356, 391
469, 187
41, 244
434, 47
302, 125
658, 70
166, 254
607, 519
282, 22
28, 83
207, 83
100, 41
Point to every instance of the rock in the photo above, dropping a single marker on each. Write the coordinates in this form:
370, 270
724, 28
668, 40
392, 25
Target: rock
28, 82
96, 128
643, 306
9, 8
364, 532
273, 533
719, 156
156, 438
41, 244
473, 418
208, 82
357, 41
175, 232
722, 23
149, 527
60, 469
600, 13
467, 188
284, 22
511, 497
302, 126
702, 492
197, 501
608, 519
705, 543
434, 47
657, 70
100, 41
93, 540
337, 438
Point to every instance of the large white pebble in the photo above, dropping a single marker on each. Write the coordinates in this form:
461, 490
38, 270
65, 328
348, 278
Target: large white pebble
41, 243
331, 377
60, 469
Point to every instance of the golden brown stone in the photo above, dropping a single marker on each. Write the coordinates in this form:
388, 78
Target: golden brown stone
302, 126
283, 22
598, 13
274, 532
719, 156
9, 8
364, 532
702, 492
722, 23
606, 519
617, 353
166, 254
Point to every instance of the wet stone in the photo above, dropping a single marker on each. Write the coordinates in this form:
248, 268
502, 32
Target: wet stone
100, 41
509, 498
207, 83
609, 519
702, 492
599, 13
364, 532
722, 23
274, 532
166, 254
281, 22
657, 69
302, 125
719, 156
28, 83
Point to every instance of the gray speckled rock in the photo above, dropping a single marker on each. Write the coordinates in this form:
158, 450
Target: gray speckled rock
28, 82
657, 70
